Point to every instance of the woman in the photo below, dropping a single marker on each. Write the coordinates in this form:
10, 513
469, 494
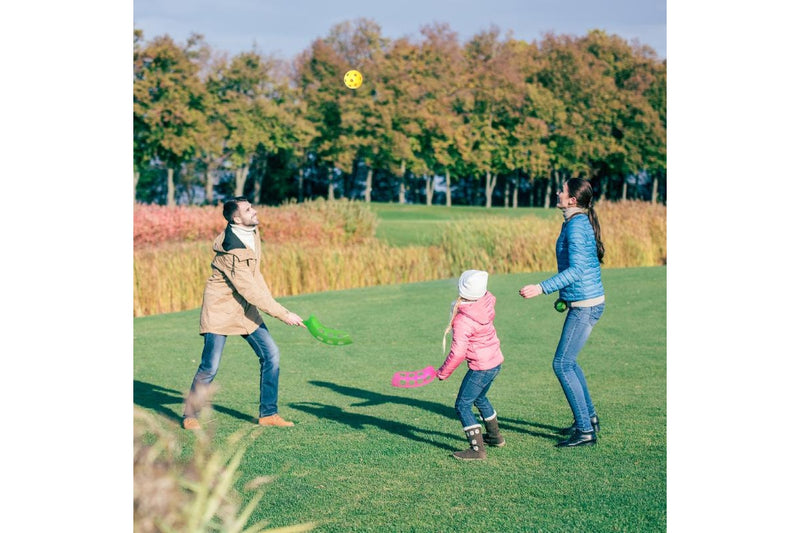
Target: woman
579, 252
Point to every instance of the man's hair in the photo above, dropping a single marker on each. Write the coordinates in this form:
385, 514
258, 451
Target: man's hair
231, 207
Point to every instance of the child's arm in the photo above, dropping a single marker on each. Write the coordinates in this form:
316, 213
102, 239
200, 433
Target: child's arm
462, 329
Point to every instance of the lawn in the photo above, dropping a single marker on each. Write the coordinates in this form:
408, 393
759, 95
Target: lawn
414, 224
365, 456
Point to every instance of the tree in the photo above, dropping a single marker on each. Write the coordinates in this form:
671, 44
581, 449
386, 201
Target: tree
168, 103
492, 111
639, 128
494, 82
317, 75
366, 112
250, 112
444, 141
583, 137
541, 121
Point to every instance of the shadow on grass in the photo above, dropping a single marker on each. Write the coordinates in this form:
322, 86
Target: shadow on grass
359, 421
376, 398
160, 399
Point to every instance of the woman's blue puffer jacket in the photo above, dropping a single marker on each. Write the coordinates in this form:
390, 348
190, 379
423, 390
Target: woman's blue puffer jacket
578, 275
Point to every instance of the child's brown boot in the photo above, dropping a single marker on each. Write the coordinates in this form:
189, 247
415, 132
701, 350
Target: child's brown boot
476, 451
493, 436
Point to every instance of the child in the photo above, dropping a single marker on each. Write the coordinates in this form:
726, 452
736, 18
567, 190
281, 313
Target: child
475, 339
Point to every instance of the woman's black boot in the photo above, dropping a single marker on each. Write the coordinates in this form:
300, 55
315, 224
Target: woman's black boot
579, 438
595, 427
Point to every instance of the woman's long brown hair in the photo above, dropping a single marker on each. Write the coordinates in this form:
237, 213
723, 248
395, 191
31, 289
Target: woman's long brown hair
583, 193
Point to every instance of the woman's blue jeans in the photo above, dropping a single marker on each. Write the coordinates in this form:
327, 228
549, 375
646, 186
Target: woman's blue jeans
473, 391
577, 327
268, 355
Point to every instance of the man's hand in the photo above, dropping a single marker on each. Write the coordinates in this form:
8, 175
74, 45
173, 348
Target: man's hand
530, 291
294, 320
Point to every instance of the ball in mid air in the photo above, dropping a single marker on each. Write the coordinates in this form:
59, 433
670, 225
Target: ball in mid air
353, 79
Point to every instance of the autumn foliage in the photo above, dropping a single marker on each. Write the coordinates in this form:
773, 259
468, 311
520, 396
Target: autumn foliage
316, 223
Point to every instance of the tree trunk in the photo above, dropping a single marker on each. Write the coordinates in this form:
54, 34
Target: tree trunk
428, 190
402, 195
515, 193
447, 193
241, 176
170, 187
491, 181
603, 189
505, 193
300, 185
368, 189
654, 196
624, 189
209, 185
549, 190
135, 183
257, 189
330, 184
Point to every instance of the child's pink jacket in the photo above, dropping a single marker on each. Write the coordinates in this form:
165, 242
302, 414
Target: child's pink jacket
474, 337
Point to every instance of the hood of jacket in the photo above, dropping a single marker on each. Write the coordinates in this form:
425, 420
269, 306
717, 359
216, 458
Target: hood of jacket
481, 310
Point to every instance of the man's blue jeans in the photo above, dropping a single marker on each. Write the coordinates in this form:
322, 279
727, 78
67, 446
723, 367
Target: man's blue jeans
268, 355
577, 327
473, 391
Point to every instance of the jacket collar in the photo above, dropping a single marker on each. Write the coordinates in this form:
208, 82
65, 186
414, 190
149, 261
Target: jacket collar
228, 242
231, 241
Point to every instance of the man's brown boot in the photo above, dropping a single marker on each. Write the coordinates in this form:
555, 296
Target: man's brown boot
191, 423
274, 420
476, 451
493, 436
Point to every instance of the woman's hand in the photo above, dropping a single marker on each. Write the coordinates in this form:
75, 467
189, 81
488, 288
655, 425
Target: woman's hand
530, 291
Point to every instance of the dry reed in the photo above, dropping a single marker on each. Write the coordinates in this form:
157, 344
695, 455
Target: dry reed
170, 277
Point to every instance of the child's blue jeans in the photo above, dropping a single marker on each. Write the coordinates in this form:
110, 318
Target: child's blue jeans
473, 391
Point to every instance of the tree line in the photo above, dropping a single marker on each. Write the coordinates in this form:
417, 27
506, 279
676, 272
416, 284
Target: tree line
492, 121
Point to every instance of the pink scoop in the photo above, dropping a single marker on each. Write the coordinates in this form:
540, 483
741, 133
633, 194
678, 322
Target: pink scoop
416, 378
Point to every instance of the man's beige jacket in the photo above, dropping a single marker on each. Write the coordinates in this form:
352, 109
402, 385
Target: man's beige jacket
236, 289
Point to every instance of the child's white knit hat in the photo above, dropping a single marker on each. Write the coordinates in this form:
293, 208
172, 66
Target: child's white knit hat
472, 284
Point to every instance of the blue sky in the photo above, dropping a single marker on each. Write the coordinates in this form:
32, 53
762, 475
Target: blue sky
286, 27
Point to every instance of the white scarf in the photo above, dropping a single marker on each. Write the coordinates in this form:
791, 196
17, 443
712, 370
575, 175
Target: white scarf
247, 234
570, 211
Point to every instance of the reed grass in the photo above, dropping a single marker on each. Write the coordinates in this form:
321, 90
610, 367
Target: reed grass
171, 276
633, 233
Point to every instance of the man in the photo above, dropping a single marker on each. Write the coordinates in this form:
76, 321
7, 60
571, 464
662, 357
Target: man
232, 298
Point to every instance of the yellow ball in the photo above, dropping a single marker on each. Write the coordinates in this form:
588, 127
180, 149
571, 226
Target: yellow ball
353, 79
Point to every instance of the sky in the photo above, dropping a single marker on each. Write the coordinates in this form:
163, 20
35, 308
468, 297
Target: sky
286, 27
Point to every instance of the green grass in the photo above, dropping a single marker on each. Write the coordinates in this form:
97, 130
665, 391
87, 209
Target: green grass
365, 456
421, 225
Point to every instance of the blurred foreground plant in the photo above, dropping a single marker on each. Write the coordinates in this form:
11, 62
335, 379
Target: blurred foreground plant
197, 494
